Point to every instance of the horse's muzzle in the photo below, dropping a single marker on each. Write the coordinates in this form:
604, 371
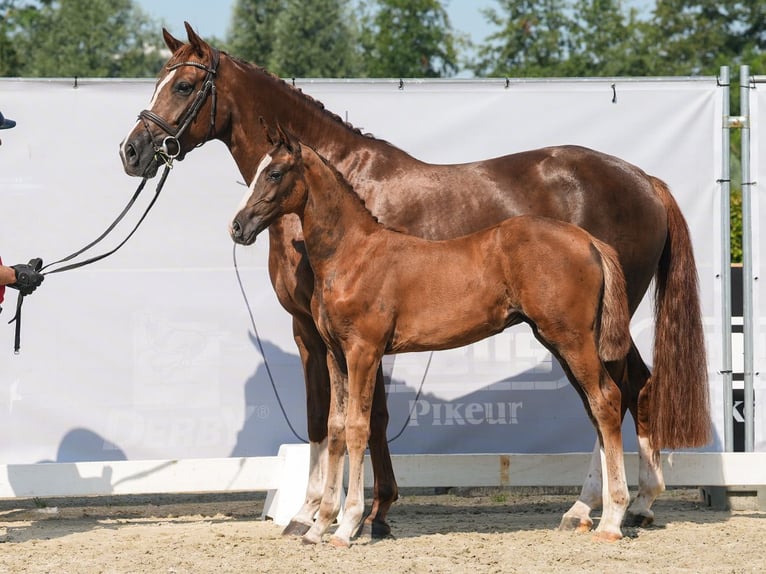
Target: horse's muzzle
138, 159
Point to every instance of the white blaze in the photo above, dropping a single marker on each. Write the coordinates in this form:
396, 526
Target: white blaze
242, 204
166, 80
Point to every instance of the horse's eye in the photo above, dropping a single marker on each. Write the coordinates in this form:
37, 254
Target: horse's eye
275, 175
184, 88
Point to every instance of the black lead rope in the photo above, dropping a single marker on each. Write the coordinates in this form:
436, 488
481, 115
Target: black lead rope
20, 301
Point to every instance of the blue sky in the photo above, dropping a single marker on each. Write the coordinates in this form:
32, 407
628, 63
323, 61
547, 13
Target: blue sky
212, 18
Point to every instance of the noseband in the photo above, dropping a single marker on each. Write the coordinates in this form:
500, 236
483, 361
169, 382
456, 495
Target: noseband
171, 145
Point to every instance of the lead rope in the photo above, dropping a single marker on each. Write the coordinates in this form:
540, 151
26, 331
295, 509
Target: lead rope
271, 378
20, 301
260, 346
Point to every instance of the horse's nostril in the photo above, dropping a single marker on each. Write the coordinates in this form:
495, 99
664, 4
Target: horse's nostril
236, 229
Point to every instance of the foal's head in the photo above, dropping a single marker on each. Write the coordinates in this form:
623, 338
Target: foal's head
277, 188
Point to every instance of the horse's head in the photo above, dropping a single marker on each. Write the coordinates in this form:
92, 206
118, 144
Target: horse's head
278, 187
182, 112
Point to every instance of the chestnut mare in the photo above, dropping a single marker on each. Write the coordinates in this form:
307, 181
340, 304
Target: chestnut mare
380, 291
203, 94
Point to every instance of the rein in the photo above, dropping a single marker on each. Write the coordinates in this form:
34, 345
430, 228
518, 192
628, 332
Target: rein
20, 301
168, 151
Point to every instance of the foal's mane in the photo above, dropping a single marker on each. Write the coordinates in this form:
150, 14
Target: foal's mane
348, 188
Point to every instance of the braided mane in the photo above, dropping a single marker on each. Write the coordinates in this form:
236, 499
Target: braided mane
296, 90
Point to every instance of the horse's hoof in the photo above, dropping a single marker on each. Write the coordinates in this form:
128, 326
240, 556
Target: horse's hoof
381, 530
339, 542
607, 536
640, 520
296, 529
311, 538
576, 524
375, 530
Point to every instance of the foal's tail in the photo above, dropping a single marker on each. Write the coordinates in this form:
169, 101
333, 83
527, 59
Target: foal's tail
614, 332
678, 387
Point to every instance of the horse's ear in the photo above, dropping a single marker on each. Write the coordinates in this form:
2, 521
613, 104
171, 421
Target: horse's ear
196, 42
173, 43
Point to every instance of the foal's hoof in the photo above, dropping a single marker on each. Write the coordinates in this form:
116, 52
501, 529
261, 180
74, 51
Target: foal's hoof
296, 529
640, 520
339, 542
576, 524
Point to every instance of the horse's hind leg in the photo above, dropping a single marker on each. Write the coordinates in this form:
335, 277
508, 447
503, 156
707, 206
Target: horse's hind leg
650, 480
385, 489
313, 353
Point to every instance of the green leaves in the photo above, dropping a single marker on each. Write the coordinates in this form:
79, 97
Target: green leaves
85, 38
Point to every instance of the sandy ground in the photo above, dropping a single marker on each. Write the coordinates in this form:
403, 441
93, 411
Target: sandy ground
470, 531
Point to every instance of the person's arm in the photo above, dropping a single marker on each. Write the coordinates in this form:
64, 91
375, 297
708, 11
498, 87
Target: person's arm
7, 275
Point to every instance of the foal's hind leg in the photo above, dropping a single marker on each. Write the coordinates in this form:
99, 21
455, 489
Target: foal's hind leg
602, 399
578, 516
633, 384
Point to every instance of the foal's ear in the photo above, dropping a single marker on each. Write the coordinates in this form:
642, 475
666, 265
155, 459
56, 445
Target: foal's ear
196, 42
288, 140
172, 43
271, 135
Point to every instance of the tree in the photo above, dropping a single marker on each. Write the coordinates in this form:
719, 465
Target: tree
409, 38
692, 37
252, 31
532, 39
314, 38
95, 38
16, 16
605, 40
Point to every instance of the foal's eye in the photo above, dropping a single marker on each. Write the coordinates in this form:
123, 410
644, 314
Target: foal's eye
184, 88
275, 175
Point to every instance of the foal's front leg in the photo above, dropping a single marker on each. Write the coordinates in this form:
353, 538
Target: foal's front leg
336, 449
363, 362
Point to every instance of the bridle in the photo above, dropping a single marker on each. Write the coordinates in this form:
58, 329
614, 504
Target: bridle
170, 148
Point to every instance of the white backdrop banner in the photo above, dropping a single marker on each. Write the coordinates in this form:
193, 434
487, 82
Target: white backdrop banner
150, 354
758, 175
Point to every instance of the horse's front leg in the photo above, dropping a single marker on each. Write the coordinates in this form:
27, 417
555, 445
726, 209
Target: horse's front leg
336, 449
313, 353
385, 489
363, 362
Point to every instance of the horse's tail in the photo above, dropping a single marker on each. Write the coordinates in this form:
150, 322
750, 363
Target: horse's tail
614, 331
678, 387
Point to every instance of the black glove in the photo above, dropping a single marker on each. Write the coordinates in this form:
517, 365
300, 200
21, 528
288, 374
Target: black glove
28, 276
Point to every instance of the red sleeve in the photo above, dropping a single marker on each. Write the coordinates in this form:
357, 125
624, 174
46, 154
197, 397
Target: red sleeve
2, 287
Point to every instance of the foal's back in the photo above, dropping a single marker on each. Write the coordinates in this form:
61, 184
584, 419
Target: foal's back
450, 293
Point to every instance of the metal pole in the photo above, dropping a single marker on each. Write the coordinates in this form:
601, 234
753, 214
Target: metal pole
747, 260
726, 366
